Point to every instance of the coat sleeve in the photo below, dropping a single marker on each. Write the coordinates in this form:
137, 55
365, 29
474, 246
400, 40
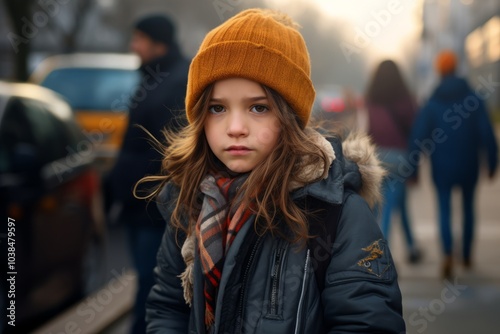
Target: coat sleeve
487, 137
166, 310
361, 292
421, 129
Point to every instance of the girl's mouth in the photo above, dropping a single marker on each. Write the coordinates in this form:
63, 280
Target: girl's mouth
238, 150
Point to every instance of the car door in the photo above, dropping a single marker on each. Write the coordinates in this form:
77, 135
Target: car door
50, 206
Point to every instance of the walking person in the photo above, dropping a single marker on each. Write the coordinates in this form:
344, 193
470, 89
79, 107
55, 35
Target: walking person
454, 129
157, 104
255, 201
391, 111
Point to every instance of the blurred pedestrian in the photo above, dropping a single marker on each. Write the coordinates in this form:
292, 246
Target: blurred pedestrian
391, 111
243, 184
454, 129
158, 103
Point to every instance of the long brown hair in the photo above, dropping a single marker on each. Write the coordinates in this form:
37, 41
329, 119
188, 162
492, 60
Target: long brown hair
188, 158
387, 85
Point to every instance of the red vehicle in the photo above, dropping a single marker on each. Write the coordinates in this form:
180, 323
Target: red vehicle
50, 202
336, 107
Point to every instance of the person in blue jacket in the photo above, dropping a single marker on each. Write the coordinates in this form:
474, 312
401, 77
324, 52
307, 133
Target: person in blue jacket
454, 130
241, 188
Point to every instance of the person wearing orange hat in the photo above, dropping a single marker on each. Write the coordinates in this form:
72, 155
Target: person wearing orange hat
454, 130
446, 63
269, 228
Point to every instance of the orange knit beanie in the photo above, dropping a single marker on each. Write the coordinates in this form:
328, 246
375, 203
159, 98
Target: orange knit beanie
446, 62
259, 45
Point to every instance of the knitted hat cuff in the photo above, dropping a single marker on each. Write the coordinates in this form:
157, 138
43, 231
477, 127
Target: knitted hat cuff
255, 62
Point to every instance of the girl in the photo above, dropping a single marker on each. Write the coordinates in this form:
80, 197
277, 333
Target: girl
391, 111
245, 183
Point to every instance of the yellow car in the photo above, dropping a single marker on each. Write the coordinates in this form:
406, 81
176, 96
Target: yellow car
99, 88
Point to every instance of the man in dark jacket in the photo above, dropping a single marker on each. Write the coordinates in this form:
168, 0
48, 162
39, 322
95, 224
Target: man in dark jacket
157, 103
453, 128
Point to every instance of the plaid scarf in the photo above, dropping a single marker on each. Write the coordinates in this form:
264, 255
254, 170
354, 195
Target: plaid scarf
216, 228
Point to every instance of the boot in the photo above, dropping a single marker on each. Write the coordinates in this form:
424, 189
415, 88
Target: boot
467, 263
415, 255
447, 267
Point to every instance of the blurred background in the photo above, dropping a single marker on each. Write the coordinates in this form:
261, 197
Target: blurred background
345, 39
79, 49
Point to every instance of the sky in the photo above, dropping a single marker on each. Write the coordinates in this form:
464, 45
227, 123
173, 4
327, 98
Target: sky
381, 28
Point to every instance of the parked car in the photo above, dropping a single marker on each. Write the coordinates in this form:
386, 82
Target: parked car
99, 87
50, 192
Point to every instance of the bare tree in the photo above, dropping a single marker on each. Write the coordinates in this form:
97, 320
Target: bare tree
28, 18
18, 11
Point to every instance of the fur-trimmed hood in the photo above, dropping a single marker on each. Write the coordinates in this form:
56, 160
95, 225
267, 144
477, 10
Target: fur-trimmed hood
355, 166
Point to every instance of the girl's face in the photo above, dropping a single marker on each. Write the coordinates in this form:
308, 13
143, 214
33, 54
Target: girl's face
241, 128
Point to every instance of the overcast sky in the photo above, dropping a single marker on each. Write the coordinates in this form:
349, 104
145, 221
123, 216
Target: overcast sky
390, 26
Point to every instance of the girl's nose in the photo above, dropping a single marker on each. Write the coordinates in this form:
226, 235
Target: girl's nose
237, 125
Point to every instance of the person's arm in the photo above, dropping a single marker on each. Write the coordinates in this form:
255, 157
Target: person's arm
421, 129
166, 310
361, 292
488, 140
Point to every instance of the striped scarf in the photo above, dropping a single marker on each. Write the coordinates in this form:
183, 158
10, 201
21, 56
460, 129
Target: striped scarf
216, 228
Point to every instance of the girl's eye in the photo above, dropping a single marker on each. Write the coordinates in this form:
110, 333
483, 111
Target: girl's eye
216, 109
260, 108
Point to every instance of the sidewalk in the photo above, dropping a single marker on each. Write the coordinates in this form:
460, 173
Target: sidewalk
470, 302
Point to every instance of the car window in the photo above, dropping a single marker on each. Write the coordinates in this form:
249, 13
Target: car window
16, 137
30, 133
92, 88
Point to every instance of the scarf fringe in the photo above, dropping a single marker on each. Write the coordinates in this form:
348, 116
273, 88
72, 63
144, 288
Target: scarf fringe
187, 277
209, 318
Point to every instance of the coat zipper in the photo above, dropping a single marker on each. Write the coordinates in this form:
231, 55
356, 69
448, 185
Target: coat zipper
239, 314
302, 295
276, 279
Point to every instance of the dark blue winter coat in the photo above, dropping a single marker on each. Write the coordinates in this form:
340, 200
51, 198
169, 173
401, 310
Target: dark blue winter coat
454, 130
158, 103
268, 284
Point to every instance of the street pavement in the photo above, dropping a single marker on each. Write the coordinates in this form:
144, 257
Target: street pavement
469, 302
